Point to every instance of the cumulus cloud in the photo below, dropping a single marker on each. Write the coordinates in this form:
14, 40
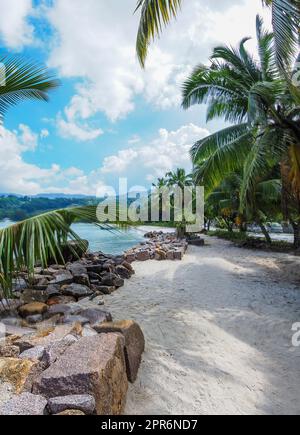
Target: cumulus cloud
97, 44
18, 176
15, 29
167, 152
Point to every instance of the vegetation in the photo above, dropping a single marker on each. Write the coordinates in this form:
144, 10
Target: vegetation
19, 208
285, 17
263, 144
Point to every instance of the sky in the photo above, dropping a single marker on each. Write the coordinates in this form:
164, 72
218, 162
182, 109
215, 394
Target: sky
109, 118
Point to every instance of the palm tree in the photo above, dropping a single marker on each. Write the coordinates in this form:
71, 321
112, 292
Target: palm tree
179, 178
23, 80
285, 17
254, 96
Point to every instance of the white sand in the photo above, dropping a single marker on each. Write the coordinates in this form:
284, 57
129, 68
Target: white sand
218, 330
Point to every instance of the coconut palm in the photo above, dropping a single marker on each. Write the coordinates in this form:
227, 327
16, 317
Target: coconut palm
285, 17
254, 96
179, 178
22, 80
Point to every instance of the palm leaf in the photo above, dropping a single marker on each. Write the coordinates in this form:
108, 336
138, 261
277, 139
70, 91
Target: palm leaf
154, 15
23, 80
39, 240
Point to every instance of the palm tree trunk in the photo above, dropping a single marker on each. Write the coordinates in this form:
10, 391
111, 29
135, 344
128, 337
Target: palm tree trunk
296, 227
265, 233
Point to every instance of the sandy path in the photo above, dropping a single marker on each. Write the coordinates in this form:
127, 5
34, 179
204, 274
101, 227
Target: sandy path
218, 330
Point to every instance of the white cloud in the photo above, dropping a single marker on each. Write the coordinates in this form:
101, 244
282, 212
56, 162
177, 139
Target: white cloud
44, 133
15, 30
97, 44
70, 129
167, 152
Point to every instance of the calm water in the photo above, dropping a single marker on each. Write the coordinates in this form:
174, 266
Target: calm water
115, 242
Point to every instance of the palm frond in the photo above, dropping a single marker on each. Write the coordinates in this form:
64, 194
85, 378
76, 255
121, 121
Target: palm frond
154, 15
39, 240
23, 80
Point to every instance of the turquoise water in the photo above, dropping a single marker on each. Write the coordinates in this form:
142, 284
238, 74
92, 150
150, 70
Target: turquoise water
110, 242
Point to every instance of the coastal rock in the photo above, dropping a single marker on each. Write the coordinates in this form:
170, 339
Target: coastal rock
53, 290
142, 256
58, 348
71, 412
32, 309
78, 319
84, 403
32, 320
123, 272
134, 343
129, 267
16, 372
96, 316
112, 280
24, 404
61, 309
103, 289
94, 268
37, 353
77, 291
94, 366
63, 277
61, 300
30, 295
9, 351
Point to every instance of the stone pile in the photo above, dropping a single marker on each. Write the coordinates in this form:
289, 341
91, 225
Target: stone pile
79, 368
51, 292
160, 246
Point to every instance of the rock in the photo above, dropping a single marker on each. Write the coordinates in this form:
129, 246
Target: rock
88, 331
77, 291
112, 280
62, 278
9, 351
94, 268
36, 353
84, 403
94, 276
75, 319
61, 309
24, 404
61, 300
58, 348
123, 272
82, 279
17, 331
71, 412
170, 255
6, 392
32, 320
129, 267
130, 258
17, 372
53, 290
8, 305
141, 256
96, 316
32, 309
48, 337
104, 289
18, 284
94, 366
77, 268
178, 255
160, 255
134, 343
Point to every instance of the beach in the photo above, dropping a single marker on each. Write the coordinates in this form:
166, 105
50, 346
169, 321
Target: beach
218, 328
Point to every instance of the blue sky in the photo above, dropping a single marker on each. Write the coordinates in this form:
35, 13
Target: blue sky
109, 119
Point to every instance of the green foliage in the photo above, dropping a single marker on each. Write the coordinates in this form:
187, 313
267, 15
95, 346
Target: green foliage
24, 80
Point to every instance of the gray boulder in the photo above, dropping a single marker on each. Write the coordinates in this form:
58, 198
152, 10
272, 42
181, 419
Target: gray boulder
24, 404
85, 403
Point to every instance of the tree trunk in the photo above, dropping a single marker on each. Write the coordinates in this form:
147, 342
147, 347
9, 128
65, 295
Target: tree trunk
265, 233
296, 227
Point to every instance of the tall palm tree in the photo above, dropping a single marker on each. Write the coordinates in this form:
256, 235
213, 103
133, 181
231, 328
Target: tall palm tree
22, 80
179, 178
158, 13
254, 96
